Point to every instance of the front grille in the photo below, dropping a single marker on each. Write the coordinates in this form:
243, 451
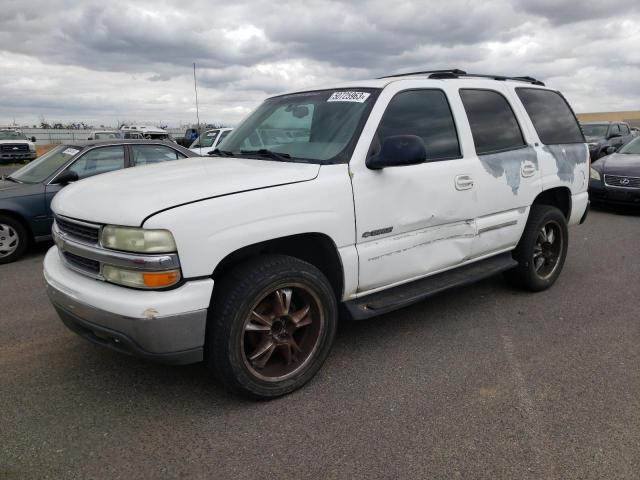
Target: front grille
619, 181
80, 231
14, 147
85, 264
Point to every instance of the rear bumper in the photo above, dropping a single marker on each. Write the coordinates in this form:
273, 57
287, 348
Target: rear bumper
167, 326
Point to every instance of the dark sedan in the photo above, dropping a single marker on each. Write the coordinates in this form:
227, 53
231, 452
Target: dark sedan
615, 179
25, 195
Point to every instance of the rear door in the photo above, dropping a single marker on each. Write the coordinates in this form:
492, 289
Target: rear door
509, 179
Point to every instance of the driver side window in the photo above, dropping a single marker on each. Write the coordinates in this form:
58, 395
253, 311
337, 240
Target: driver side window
99, 160
426, 114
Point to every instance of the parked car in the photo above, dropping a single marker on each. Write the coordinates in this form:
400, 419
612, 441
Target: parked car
105, 135
615, 179
149, 133
602, 135
190, 136
25, 195
206, 143
400, 188
15, 147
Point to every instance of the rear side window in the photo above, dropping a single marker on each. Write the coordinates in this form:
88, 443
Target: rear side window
624, 129
493, 124
424, 113
551, 116
147, 154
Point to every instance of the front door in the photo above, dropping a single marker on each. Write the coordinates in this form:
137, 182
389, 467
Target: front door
417, 219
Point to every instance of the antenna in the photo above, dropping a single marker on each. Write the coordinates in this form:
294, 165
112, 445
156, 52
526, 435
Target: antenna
195, 87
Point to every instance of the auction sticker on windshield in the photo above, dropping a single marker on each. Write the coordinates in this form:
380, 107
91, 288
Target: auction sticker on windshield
358, 97
70, 151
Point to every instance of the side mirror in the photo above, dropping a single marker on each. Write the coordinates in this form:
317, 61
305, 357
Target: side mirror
397, 151
33, 139
611, 150
67, 177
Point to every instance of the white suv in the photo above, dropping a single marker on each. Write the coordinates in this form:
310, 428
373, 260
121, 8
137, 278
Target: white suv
368, 196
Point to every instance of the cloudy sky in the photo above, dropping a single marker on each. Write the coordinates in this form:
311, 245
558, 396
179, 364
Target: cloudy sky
103, 61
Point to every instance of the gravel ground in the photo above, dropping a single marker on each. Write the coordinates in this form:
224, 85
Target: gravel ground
481, 382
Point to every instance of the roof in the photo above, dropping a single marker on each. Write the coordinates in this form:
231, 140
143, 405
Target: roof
436, 76
127, 141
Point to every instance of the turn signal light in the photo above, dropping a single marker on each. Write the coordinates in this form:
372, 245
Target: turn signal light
159, 280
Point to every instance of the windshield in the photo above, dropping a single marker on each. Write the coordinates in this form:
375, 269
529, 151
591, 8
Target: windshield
633, 147
107, 135
11, 135
594, 130
319, 126
46, 165
206, 139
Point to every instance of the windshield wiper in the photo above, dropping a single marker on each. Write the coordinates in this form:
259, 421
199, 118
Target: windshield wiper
9, 177
222, 153
281, 157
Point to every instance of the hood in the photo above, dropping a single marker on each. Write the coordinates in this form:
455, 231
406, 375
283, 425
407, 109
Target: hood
594, 139
619, 164
9, 189
127, 197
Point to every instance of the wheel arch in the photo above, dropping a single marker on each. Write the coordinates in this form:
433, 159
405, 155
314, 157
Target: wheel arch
559, 197
318, 249
19, 218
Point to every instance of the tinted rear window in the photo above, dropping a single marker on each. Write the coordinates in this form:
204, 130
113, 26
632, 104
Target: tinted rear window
493, 124
551, 116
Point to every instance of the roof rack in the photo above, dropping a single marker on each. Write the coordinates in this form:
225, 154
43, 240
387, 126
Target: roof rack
457, 73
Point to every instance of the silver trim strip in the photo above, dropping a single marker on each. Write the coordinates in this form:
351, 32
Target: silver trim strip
496, 227
132, 261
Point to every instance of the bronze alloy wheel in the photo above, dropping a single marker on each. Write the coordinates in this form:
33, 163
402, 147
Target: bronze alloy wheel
547, 249
282, 332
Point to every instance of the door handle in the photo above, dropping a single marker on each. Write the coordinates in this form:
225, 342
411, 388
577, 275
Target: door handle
528, 170
463, 182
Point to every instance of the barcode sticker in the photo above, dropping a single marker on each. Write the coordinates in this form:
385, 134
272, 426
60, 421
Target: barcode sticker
70, 151
357, 97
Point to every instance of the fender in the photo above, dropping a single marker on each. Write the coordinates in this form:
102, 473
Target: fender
207, 231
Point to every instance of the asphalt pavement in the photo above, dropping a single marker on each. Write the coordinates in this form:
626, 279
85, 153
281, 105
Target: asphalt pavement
481, 382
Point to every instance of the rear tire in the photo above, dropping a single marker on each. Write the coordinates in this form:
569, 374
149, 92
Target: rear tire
14, 239
271, 325
542, 249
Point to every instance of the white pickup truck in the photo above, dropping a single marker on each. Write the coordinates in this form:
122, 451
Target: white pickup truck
361, 199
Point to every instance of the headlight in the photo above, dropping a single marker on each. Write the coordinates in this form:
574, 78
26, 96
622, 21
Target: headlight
138, 240
138, 279
594, 174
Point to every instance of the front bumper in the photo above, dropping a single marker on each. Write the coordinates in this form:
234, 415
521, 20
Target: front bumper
17, 157
168, 326
601, 193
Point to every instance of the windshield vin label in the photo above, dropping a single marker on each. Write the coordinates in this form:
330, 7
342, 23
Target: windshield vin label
357, 97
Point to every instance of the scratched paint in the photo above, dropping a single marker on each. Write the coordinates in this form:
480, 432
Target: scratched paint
568, 157
509, 164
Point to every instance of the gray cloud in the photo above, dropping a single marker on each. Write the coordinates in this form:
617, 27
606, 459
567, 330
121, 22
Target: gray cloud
98, 60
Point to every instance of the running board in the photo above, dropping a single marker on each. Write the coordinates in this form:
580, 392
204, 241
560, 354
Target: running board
407, 294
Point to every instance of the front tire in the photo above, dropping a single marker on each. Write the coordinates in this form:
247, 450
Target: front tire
271, 326
542, 249
13, 239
